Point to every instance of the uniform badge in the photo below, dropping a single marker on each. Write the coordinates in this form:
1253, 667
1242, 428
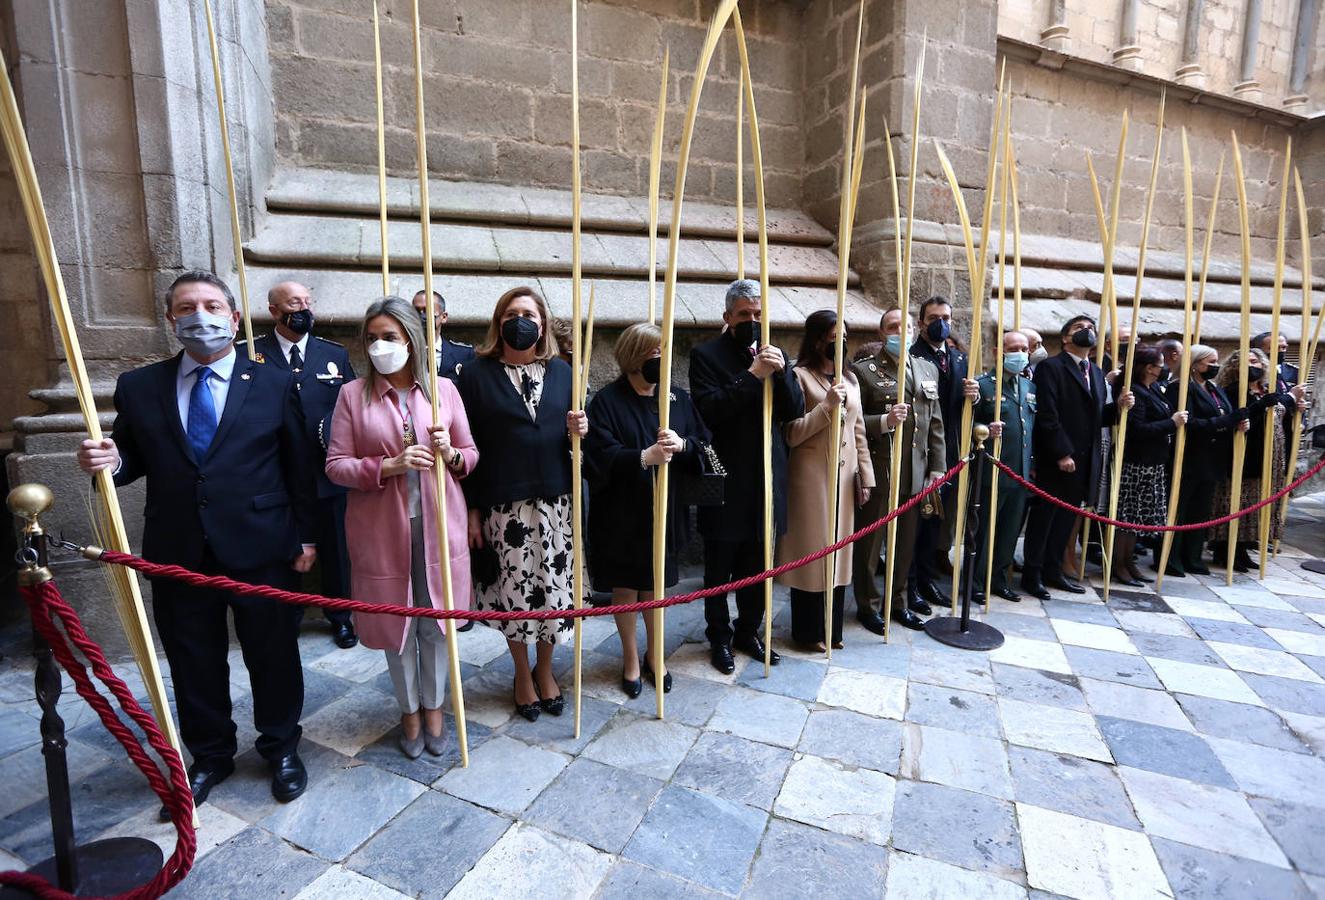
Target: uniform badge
873, 367
259, 358
333, 372
244, 376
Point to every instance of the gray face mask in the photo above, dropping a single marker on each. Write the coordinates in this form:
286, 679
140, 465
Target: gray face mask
204, 334
1039, 355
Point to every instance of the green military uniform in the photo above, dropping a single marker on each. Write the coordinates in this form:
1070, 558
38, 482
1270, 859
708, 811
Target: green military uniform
1018, 418
923, 454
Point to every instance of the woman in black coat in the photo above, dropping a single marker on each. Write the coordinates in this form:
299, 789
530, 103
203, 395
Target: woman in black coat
1212, 420
623, 448
1143, 490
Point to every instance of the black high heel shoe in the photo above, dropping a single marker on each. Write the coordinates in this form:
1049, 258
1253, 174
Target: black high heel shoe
630, 688
553, 706
653, 678
528, 710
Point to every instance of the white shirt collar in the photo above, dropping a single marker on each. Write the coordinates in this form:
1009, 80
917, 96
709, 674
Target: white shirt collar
286, 344
222, 368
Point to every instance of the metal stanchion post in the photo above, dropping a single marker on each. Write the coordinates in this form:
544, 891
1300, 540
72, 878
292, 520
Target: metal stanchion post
960, 631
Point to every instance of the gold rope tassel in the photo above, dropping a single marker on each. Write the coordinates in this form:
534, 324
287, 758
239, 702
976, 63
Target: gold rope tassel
1244, 349
1272, 371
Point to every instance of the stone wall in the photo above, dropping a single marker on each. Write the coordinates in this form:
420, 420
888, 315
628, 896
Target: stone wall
498, 90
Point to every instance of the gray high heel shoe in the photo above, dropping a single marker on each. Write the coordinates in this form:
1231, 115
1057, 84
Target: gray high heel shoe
434, 743
412, 747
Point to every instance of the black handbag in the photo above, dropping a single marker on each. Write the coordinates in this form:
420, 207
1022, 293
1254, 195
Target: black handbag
707, 486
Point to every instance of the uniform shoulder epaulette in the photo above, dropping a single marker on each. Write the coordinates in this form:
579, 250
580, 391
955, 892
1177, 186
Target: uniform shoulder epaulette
318, 337
462, 344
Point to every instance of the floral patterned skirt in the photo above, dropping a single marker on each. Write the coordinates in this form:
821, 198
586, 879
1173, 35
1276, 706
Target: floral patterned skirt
532, 541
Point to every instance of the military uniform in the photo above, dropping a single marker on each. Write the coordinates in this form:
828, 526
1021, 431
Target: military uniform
452, 356
1018, 418
923, 452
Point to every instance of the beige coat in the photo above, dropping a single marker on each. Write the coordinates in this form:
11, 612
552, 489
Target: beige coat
807, 482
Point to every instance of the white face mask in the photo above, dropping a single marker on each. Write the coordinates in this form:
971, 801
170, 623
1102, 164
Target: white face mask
388, 357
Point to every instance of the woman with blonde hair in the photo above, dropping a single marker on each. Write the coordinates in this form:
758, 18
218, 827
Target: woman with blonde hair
622, 454
386, 448
518, 393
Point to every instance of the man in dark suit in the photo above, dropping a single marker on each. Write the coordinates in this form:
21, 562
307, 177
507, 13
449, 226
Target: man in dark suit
451, 355
1288, 376
319, 367
1071, 410
221, 441
727, 377
934, 538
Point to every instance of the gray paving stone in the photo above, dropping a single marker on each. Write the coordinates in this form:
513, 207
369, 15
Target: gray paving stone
955, 826
919, 876
1182, 649
1189, 587
1233, 633
1106, 665
631, 881
1289, 620
798, 861
1272, 773
1072, 785
958, 760
1315, 663
852, 738
1137, 601
699, 838
504, 774
869, 654
953, 709
1164, 750
385, 753
932, 663
1299, 829
253, 863
1078, 611
642, 744
835, 797
734, 768
558, 732
1288, 694
598, 804
1037, 628
1196, 874
691, 702
427, 848
767, 718
1038, 686
323, 822
247, 793
799, 678
1240, 722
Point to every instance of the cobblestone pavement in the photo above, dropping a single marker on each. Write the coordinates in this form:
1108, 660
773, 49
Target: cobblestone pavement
1148, 748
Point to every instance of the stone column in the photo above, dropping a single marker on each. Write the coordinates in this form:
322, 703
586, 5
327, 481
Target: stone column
1056, 35
1302, 37
1190, 72
1248, 88
1128, 52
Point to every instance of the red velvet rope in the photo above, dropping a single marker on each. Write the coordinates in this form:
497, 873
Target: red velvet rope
179, 573
43, 600
1131, 526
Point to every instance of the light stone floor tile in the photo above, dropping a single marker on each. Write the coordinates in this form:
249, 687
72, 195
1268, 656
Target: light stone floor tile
1299, 642
504, 774
482, 644
762, 717
1204, 609
864, 692
215, 827
342, 884
921, 878
1293, 587
693, 659
358, 664
353, 722
1052, 728
1032, 654
1271, 773
1311, 729
1123, 701
1153, 623
829, 795
1096, 637
957, 760
1200, 814
934, 663
643, 744
526, 856
1245, 596
1203, 681
1264, 662
1088, 860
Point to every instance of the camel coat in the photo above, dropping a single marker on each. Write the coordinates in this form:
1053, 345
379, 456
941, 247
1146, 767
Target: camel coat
377, 530
807, 482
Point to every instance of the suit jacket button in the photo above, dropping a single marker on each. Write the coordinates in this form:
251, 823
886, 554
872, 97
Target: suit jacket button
202, 504
201, 479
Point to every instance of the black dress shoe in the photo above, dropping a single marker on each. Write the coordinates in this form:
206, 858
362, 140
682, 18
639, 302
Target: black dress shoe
752, 646
1032, 586
289, 778
977, 596
530, 711
631, 688
720, 655
872, 623
202, 778
1121, 577
927, 592
908, 619
342, 634
918, 604
1198, 569
1008, 594
553, 706
1063, 583
469, 623
653, 677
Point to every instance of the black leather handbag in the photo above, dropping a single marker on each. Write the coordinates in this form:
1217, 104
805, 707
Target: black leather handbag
707, 486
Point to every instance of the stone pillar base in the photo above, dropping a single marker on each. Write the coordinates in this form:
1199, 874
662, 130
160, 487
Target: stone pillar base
1128, 57
1295, 101
1248, 90
1191, 75
1057, 38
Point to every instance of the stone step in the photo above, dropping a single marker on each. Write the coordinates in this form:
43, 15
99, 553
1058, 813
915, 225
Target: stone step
356, 194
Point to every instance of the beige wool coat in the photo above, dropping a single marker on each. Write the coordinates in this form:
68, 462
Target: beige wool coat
807, 481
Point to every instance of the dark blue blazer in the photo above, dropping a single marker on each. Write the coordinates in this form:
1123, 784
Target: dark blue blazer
454, 356
951, 392
1068, 420
326, 368
249, 500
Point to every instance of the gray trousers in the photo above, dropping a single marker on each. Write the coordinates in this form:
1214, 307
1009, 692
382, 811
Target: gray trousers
418, 672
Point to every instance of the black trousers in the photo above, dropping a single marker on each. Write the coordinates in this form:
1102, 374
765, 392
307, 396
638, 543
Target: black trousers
1047, 531
1195, 502
726, 561
333, 558
807, 615
192, 624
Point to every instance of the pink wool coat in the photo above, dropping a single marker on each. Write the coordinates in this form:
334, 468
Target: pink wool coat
363, 435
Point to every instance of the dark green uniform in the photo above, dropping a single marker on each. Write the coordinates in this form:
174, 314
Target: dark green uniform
1018, 418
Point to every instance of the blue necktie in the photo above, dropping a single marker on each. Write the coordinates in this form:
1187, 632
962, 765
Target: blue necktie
202, 414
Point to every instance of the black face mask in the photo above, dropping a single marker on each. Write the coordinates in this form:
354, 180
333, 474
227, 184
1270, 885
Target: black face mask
1084, 338
1164, 373
651, 371
1255, 374
300, 321
519, 333
1211, 372
937, 331
745, 333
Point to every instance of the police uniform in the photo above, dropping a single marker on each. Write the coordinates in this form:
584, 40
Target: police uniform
325, 367
1018, 418
924, 451
452, 356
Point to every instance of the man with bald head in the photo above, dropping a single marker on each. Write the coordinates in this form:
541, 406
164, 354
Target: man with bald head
320, 366
1035, 350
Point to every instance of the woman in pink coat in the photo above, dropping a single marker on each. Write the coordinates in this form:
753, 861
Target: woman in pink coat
380, 449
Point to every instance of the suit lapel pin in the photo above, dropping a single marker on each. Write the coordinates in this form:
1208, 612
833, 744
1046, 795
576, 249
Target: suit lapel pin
245, 376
